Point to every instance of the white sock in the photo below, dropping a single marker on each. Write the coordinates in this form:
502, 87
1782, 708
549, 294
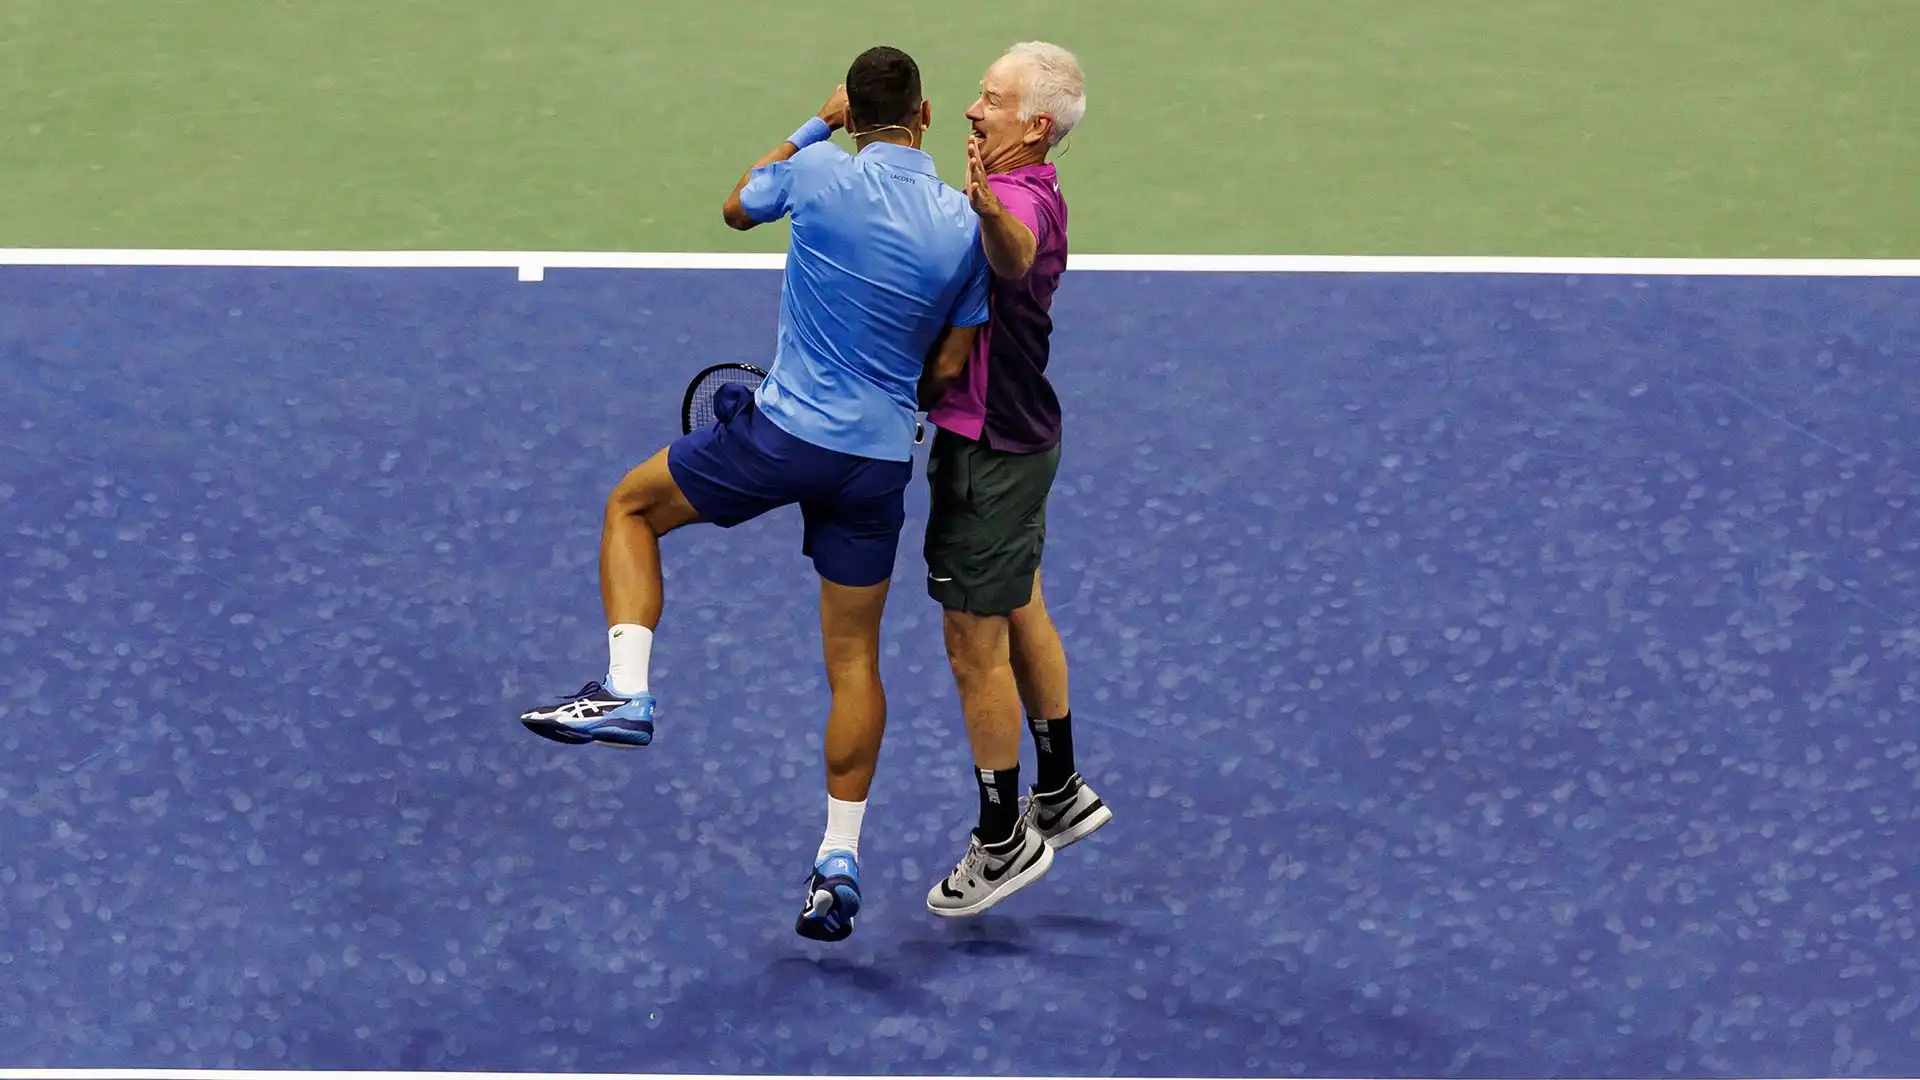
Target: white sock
843, 827
628, 648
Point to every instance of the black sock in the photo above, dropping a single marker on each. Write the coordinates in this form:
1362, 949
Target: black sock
1053, 744
999, 803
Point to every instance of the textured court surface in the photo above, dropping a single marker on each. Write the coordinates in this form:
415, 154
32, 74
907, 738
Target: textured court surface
1492, 676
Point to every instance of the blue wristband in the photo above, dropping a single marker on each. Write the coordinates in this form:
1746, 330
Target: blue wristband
813, 131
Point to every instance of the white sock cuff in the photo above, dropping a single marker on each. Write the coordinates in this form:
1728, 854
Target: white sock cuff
843, 826
629, 647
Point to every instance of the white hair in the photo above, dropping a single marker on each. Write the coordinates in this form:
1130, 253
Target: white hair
1051, 84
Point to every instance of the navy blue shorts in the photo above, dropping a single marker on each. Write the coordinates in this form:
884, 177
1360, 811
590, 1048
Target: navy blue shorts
744, 465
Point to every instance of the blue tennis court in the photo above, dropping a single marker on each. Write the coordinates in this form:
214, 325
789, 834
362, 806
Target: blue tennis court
1492, 675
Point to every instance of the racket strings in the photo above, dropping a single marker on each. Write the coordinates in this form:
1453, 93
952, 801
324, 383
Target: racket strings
699, 411
700, 408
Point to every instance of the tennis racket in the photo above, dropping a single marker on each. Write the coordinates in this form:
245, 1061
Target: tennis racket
696, 409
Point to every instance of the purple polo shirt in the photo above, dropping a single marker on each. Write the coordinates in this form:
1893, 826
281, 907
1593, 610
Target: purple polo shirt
1004, 399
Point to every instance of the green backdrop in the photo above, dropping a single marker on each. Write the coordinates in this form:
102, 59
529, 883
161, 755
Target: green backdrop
1507, 127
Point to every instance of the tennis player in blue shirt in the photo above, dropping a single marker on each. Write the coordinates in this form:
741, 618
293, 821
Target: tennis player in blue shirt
885, 288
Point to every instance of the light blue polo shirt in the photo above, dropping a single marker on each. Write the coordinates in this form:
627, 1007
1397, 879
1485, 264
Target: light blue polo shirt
883, 256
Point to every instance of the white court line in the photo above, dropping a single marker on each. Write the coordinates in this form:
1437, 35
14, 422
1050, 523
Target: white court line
316, 1074
533, 265
329, 1074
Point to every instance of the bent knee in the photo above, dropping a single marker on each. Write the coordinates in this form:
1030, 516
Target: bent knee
852, 658
852, 668
628, 501
975, 643
648, 492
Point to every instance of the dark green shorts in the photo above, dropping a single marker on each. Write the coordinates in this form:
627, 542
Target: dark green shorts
986, 524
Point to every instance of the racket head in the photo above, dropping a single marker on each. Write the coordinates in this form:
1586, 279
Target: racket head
696, 408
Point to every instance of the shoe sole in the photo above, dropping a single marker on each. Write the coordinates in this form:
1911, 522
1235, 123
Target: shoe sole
561, 733
1012, 885
1081, 829
813, 927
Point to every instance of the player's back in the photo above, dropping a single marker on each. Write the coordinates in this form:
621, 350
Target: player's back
884, 255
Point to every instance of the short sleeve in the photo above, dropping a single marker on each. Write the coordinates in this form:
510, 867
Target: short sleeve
970, 307
783, 187
1023, 203
768, 193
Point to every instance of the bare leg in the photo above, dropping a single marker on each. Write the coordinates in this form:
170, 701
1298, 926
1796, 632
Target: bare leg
645, 506
1039, 659
1004, 855
850, 637
856, 722
977, 650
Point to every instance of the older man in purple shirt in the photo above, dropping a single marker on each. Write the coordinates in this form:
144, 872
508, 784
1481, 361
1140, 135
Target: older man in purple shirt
991, 466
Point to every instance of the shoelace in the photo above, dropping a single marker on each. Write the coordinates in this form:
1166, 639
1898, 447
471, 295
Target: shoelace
581, 704
591, 689
969, 867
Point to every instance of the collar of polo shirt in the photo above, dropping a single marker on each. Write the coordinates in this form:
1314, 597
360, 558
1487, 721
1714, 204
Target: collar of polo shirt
906, 157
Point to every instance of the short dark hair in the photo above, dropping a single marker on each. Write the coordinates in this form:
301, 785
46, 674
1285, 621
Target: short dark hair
883, 87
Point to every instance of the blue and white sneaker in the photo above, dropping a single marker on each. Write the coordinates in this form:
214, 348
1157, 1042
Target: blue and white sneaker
833, 898
595, 714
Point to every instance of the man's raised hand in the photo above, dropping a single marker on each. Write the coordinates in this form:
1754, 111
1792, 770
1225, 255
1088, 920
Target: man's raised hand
834, 112
979, 192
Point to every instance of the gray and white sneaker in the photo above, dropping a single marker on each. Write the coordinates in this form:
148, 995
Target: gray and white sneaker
988, 875
1068, 815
